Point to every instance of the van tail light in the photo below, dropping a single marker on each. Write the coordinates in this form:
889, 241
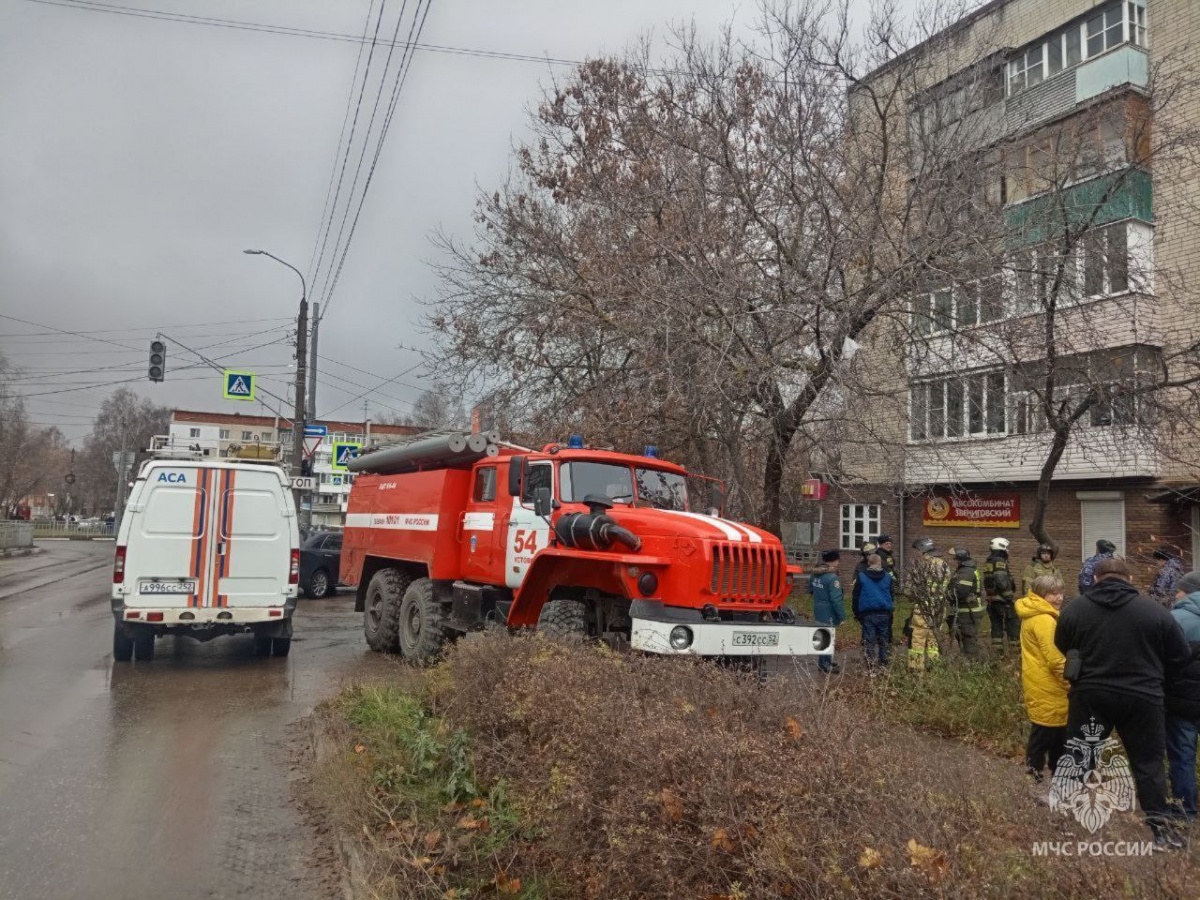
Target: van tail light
294, 574
119, 566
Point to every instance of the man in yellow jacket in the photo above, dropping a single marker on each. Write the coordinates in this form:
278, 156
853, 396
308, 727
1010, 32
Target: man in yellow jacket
1042, 675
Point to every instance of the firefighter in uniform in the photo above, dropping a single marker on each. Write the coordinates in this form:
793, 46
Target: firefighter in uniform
1042, 564
929, 586
966, 588
1000, 591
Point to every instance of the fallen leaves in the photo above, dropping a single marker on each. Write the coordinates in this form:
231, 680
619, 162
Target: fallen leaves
721, 841
470, 823
672, 806
505, 885
359, 748
931, 863
870, 858
793, 728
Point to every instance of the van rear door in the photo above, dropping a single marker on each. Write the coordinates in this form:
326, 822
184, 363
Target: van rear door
253, 538
167, 536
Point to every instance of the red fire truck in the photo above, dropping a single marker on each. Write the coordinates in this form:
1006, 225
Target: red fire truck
451, 532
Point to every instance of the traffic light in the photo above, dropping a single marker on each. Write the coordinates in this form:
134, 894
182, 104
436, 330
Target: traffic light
158, 360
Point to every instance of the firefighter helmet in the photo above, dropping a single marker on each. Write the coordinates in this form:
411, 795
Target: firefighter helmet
924, 545
962, 554
1000, 544
1046, 548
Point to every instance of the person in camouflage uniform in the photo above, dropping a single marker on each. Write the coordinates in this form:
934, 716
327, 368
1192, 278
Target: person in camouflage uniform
1087, 575
1170, 570
1043, 564
929, 587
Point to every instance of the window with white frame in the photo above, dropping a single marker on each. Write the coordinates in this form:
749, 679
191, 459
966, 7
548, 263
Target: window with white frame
1027, 69
1106, 260
961, 306
958, 406
194, 432
860, 523
224, 434
247, 435
1118, 22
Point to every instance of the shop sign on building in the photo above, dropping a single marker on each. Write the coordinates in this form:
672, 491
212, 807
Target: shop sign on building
973, 511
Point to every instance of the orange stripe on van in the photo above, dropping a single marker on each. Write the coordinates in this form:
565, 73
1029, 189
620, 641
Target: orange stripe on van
227, 562
194, 568
206, 531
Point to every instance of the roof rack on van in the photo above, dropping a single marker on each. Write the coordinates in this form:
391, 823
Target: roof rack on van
168, 446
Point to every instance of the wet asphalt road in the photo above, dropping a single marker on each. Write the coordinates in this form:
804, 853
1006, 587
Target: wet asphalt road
172, 779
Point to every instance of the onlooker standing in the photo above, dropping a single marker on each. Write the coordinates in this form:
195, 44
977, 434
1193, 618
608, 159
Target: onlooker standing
1043, 564
1183, 697
866, 550
1087, 575
1170, 570
1001, 594
874, 602
1128, 647
883, 545
967, 610
1042, 675
929, 588
829, 604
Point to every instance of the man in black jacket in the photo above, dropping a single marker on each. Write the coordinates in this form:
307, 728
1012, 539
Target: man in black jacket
1127, 646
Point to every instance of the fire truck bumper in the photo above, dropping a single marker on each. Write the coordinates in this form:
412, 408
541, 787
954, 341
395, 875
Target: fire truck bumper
670, 635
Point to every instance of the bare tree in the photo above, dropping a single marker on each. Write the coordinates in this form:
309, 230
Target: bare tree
691, 253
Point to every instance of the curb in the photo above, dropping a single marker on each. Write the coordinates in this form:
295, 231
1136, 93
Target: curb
353, 866
20, 551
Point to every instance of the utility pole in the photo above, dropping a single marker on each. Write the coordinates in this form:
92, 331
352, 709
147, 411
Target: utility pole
122, 478
312, 364
298, 418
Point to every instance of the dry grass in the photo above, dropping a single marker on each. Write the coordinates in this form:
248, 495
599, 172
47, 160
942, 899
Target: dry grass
625, 776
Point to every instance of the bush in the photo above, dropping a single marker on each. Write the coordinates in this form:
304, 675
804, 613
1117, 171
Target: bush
652, 777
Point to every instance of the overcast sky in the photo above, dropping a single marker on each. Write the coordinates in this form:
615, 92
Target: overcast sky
138, 157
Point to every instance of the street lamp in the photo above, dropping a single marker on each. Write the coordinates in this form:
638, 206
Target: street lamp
301, 354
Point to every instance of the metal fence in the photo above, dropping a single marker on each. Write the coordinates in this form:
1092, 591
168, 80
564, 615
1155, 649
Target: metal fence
16, 535
72, 530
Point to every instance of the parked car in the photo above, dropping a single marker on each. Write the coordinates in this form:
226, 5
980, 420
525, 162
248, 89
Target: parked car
320, 561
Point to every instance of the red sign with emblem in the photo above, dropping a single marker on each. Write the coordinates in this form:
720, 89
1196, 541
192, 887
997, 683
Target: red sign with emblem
973, 511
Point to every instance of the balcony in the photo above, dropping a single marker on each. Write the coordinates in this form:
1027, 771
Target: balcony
1126, 65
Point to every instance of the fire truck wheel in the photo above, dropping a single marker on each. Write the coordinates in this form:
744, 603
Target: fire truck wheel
381, 615
122, 645
421, 631
564, 618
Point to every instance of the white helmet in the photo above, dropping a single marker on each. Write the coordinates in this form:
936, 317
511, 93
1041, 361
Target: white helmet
1000, 544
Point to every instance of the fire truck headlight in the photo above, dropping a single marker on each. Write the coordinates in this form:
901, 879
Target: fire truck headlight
821, 639
648, 584
681, 637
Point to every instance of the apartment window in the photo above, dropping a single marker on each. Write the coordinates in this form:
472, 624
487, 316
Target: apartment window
860, 523
1027, 69
247, 435
1028, 417
958, 406
1136, 11
1072, 46
1105, 30
1106, 261
943, 309
1103, 517
224, 434
194, 432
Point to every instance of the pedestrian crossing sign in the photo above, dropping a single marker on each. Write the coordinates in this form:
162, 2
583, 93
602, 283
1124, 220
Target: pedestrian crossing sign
239, 385
343, 452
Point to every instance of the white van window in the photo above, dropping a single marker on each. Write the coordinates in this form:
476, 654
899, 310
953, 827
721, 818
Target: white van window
253, 514
172, 511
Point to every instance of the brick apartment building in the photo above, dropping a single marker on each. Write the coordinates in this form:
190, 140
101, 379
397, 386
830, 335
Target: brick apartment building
1017, 81
219, 433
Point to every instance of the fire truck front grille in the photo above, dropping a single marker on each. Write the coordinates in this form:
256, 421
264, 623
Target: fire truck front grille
747, 572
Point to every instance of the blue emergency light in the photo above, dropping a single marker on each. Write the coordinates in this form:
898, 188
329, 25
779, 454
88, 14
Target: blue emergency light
575, 442
651, 451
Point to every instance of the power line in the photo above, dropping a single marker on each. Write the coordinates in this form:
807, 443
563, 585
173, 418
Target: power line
343, 149
402, 77
153, 328
289, 31
362, 153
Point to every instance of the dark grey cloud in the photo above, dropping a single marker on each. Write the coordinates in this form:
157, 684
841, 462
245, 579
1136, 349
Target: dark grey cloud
139, 157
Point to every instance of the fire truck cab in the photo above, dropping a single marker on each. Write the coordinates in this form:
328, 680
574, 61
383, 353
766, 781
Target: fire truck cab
440, 541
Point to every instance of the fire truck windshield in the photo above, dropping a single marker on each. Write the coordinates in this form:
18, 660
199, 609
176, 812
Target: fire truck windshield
664, 490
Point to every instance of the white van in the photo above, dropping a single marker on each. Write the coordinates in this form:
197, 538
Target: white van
206, 547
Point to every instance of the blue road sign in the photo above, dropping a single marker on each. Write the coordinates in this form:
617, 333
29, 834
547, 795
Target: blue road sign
316, 430
239, 385
343, 452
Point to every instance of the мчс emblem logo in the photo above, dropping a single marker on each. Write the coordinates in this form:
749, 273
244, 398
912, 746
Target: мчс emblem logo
1092, 780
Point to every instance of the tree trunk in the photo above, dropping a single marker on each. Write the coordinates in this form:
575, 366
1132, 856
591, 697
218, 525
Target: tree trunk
1037, 527
778, 447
